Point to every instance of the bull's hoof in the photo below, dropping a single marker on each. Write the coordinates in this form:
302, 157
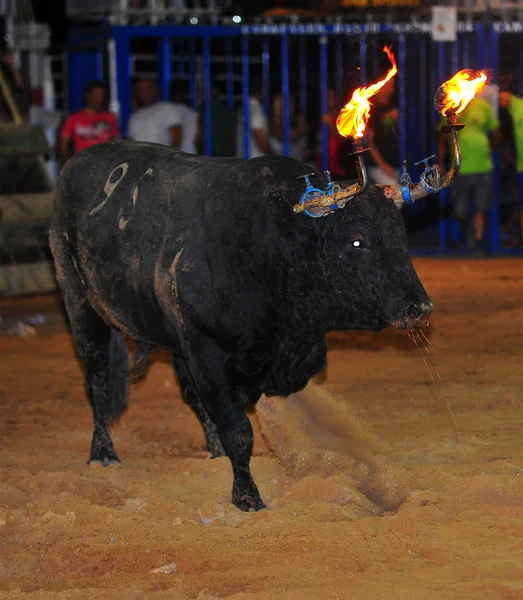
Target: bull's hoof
104, 456
215, 449
105, 462
102, 449
246, 502
214, 443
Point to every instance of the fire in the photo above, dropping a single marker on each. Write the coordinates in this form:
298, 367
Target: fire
456, 93
352, 120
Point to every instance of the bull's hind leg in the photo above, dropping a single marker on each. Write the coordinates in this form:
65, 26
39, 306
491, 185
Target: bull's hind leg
192, 397
107, 384
102, 350
104, 354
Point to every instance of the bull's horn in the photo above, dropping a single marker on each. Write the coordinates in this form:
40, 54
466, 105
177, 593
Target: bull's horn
336, 199
432, 181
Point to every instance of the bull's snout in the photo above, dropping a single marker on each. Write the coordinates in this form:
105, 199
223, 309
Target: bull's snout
415, 315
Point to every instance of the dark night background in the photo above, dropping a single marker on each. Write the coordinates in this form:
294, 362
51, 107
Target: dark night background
54, 12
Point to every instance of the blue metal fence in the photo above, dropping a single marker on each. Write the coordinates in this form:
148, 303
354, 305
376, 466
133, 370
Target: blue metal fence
309, 59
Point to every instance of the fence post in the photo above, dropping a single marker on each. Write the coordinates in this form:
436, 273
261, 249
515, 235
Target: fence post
165, 68
123, 73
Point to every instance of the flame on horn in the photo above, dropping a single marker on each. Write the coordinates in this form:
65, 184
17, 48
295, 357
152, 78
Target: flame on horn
455, 94
353, 117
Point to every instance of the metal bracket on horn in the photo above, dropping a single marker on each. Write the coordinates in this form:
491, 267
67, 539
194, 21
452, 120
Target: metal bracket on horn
431, 180
325, 202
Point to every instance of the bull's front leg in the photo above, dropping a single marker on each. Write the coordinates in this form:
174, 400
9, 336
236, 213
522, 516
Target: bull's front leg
234, 427
237, 435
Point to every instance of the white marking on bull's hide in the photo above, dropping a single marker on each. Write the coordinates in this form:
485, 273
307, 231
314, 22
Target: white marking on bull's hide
174, 285
150, 172
110, 186
123, 222
174, 264
75, 265
66, 236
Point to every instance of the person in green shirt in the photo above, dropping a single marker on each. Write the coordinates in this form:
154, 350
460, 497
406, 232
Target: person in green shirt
514, 107
474, 182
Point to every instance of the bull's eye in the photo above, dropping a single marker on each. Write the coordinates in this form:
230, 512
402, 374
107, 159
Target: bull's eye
357, 244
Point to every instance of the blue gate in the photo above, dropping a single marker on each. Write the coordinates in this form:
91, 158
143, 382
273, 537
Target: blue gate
306, 60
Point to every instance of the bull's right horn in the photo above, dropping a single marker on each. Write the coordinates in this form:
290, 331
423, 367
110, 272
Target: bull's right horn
432, 180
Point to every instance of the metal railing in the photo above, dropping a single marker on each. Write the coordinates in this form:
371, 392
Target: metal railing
124, 12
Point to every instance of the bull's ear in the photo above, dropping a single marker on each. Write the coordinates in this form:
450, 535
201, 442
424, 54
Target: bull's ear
275, 196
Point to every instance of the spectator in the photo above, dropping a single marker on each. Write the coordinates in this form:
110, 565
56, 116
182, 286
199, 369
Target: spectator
297, 129
258, 125
188, 117
474, 181
382, 134
89, 126
223, 126
154, 121
514, 106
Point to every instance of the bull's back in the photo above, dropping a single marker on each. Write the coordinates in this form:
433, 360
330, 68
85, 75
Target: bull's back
143, 220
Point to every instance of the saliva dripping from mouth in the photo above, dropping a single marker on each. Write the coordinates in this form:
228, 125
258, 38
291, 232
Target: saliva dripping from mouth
427, 353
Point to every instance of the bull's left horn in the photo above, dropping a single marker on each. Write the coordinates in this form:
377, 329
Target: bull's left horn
335, 199
432, 181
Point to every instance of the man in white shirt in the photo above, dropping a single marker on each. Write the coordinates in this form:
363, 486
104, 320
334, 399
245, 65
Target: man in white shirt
155, 121
259, 128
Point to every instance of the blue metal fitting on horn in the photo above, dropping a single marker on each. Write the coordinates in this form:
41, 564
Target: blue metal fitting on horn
312, 192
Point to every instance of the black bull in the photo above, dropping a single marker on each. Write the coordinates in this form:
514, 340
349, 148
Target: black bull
206, 258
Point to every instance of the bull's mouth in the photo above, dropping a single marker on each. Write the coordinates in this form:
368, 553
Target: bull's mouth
411, 324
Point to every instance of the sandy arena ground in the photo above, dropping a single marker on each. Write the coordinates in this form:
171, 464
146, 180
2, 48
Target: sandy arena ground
380, 484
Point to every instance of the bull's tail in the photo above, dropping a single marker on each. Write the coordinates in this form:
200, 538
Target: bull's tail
139, 359
117, 392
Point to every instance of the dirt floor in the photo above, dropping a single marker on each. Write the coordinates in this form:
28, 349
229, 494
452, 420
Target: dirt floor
384, 479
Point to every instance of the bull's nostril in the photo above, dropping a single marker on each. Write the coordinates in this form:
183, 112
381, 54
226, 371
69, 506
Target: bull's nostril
414, 311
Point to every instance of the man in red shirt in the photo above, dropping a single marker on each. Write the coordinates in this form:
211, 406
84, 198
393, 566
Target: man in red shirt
91, 125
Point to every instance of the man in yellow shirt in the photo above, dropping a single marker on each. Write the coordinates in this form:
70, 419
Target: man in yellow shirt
514, 107
474, 183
